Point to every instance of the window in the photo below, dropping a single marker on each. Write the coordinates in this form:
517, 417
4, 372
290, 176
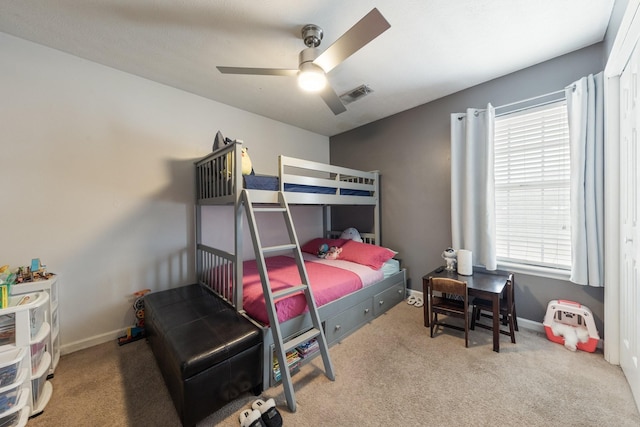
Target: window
532, 173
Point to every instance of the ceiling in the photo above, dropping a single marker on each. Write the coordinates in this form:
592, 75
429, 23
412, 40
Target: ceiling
433, 48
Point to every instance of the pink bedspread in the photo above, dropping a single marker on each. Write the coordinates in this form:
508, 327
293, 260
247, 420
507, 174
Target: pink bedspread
327, 284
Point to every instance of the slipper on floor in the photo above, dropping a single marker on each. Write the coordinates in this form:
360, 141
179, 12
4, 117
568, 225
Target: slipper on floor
411, 300
419, 302
251, 418
270, 414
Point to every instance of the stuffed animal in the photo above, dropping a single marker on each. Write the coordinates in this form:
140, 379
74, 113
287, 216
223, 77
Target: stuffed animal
221, 142
333, 253
326, 252
351, 234
450, 256
247, 166
322, 250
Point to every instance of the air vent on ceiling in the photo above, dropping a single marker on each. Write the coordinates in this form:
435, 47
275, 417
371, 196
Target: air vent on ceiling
355, 94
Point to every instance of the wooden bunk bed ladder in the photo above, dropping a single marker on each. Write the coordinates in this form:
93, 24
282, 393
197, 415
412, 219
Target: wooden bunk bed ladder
285, 344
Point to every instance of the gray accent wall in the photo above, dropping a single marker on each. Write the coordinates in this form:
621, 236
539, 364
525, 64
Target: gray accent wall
412, 152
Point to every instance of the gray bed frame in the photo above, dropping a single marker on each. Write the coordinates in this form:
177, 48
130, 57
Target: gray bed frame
217, 185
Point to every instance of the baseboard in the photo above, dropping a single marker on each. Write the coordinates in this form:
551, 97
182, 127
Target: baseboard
92, 341
531, 325
103, 338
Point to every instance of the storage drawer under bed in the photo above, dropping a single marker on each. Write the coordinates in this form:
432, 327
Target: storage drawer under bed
340, 325
387, 299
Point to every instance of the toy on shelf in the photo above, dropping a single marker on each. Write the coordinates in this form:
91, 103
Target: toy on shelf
36, 271
7, 278
450, 256
137, 331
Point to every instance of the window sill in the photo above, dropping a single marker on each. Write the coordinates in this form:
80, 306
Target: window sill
533, 270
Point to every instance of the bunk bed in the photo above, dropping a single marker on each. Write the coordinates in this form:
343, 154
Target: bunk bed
212, 340
220, 182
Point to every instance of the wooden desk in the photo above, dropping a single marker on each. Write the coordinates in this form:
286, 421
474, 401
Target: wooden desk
482, 284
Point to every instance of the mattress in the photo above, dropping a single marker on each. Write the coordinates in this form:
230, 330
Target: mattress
261, 182
271, 183
329, 279
390, 268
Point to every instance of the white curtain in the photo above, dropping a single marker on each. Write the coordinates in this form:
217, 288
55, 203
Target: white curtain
472, 185
585, 104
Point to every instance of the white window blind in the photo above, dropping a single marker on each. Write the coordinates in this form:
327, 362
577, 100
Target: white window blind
532, 187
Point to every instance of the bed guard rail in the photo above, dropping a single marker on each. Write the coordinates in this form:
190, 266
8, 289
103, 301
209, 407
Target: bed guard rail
369, 238
219, 179
306, 172
216, 272
217, 174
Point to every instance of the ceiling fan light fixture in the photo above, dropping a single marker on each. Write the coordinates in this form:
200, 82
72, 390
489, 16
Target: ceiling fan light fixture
314, 65
311, 78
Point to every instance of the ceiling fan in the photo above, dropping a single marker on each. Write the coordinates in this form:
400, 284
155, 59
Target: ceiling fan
314, 65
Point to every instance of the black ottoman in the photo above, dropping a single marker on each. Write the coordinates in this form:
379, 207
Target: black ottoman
207, 352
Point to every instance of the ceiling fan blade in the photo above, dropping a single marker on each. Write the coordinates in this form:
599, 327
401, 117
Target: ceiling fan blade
368, 28
332, 100
258, 71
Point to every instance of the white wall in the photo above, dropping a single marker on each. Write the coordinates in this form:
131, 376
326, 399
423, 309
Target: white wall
96, 179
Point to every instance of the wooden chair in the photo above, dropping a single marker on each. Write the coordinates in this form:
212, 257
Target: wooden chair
483, 308
445, 305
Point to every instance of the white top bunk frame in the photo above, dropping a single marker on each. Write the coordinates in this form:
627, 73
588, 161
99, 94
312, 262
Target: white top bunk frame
219, 181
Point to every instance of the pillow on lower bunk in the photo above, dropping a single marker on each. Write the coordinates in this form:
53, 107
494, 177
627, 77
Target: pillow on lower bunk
313, 245
366, 254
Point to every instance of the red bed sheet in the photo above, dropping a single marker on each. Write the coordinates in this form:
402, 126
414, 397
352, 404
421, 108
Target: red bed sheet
327, 284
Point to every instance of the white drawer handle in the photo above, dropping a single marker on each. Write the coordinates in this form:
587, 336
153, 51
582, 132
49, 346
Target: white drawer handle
381, 302
337, 327
399, 291
366, 310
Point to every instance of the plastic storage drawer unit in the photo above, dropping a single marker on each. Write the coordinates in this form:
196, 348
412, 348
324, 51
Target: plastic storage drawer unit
9, 396
10, 363
37, 386
17, 416
18, 413
37, 351
36, 315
